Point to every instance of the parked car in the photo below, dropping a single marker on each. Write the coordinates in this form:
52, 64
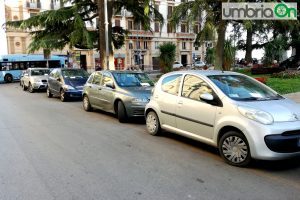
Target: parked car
199, 64
177, 65
66, 83
124, 93
244, 118
34, 79
292, 62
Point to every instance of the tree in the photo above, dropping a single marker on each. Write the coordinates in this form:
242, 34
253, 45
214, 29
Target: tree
55, 29
229, 55
209, 12
167, 56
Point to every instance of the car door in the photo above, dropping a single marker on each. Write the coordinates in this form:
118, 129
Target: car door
93, 90
167, 98
26, 77
192, 114
106, 94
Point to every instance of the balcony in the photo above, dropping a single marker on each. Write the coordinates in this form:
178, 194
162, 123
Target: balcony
189, 36
33, 5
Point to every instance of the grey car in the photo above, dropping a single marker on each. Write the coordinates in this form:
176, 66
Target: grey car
124, 93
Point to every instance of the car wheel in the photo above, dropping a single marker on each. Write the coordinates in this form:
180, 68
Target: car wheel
234, 149
49, 94
152, 123
30, 88
63, 95
23, 86
8, 78
122, 116
86, 103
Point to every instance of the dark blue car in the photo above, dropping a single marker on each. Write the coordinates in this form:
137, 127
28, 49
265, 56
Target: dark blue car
66, 83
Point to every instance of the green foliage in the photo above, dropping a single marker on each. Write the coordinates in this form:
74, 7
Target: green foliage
210, 55
284, 86
274, 50
167, 56
229, 55
287, 75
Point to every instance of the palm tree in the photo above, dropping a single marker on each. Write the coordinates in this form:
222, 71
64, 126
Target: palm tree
209, 13
167, 56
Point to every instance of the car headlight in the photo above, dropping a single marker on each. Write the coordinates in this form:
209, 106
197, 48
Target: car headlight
140, 100
68, 87
256, 115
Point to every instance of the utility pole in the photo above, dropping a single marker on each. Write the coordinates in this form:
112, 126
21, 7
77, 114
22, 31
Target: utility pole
106, 34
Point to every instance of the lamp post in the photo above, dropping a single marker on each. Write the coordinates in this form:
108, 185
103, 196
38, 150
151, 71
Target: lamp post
131, 56
106, 34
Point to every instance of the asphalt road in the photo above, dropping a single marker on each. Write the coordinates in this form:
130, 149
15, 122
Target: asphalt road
55, 150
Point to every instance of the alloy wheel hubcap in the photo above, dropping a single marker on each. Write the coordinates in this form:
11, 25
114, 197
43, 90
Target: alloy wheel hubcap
235, 149
85, 103
151, 123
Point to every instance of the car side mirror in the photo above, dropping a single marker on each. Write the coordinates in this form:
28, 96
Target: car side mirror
110, 84
58, 79
206, 97
25, 74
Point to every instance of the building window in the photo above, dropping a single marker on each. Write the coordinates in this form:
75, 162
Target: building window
130, 25
130, 45
183, 45
170, 28
137, 26
33, 14
117, 22
183, 28
145, 45
156, 28
196, 46
170, 11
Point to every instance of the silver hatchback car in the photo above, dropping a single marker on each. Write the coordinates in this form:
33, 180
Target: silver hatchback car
244, 118
124, 93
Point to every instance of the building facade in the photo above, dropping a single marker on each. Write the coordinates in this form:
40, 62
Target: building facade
140, 49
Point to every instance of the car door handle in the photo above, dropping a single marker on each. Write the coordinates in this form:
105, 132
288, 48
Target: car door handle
99, 88
180, 102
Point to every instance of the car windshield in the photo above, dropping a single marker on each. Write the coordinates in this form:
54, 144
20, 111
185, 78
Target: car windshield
242, 88
75, 74
132, 79
40, 72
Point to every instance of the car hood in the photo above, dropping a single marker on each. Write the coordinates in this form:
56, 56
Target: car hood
77, 83
45, 77
138, 91
282, 110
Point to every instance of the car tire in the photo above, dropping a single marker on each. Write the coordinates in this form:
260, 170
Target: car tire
23, 86
8, 78
49, 94
62, 96
152, 123
234, 149
30, 88
86, 103
122, 116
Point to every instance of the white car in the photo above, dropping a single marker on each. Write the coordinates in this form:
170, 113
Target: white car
35, 79
242, 117
177, 65
199, 64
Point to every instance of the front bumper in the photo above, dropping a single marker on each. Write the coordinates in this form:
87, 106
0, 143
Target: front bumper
73, 94
40, 85
274, 142
135, 110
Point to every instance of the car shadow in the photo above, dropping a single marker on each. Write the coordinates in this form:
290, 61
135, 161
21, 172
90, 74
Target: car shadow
278, 165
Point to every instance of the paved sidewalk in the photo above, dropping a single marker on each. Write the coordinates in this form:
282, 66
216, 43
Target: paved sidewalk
294, 96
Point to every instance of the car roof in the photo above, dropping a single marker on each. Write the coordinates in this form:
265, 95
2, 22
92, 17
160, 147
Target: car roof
205, 72
122, 71
37, 68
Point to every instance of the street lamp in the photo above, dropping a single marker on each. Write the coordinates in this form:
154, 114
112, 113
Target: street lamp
131, 56
106, 34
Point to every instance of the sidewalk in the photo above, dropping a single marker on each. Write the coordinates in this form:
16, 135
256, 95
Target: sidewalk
294, 96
